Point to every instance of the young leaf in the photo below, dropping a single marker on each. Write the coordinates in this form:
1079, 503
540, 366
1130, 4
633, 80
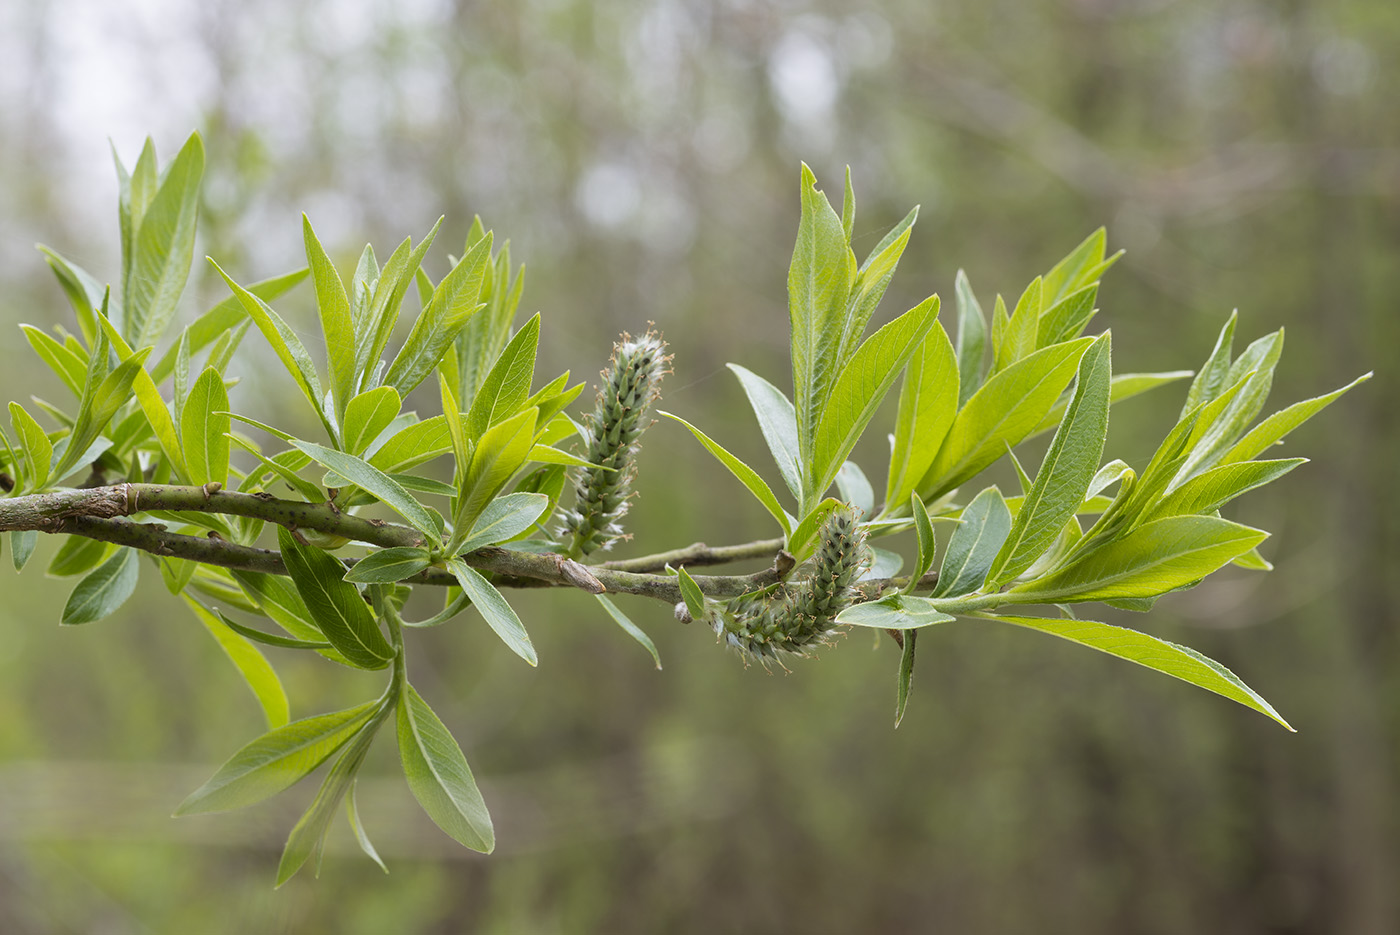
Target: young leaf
251, 664
270, 639
353, 815
276, 760
1007, 407
1212, 489
336, 326
1022, 328
103, 590
1121, 386
373, 331
508, 384
76, 556
453, 302
894, 612
498, 455
927, 404
505, 518
1152, 559
204, 428
22, 543
630, 628
308, 835
694, 597
746, 475
1067, 318
366, 476
1084, 265
439, 776
71, 368
38, 450
1211, 379
162, 247
872, 280
335, 606
389, 565
413, 445
972, 341
1275, 427
494, 608
1068, 467
778, 421
97, 409
1180, 662
986, 521
906, 674
149, 398
860, 389
367, 415
927, 543
855, 488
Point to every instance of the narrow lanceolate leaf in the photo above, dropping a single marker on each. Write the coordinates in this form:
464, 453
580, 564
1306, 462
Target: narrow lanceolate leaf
820, 277
204, 428
855, 488
1214, 488
414, 444
69, 367
1154, 558
453, 302
1211, 379
364, 475
38, 450
1007, 407
924, 532
335, 605
373, 331
97, 410
1067, 318
1068, 467
252, 665
630, 628
499, 615
439, 776
894, 612
162, 248
1122, 386
1084, 265
872, 280
746, 475
389, 565
308, 835
860, 389
270, 639
22, 543
778, 421
927, 404
1257, 375
1268, 432
499, 453
906, 675
972, 339
367, 415
505, 518
1180, 662
276, 760
103, 590
352, 812
985, 523
334, 306
507, 385
694, 597
83, 290
151, 402
1021, 329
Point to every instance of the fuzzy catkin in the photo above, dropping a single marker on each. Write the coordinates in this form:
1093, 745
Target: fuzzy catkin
796, 619
630, 385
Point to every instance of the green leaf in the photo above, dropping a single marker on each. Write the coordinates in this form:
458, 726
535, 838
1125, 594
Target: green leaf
630, 628
505, 518
76, 556
1067, 318
984, 526
456, 426
894, 612
335, 605
364, 475
860, 389
103, 590
1180, 662
1084, 265
1212, 489
906, 675
694, 597
872, 280
389, 565
38, 450
778, 421
413, 445
453, 302
1260, 438
1007, 407
251, 664
149, 398
1069, 465
927, 543
439, 776
820, 278
334, 306
162, 248
501, 452
972, 341
282, 464
855, 488
270, 639
1226, 428
22, 543
1152, 559
83, 291
367, 415
308, 835
802, 541
927, 404
494, 608
507, 385
71, 368
353, 814
276, 760
544, 454
746, 475
97, 410
204, 428
1021, 330
1211, 380
372, 333
1121, 386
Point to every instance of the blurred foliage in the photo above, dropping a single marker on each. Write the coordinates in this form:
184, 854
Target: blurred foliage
640, 155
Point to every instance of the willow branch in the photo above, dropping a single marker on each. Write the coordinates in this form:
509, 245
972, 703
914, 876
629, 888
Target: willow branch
697, 554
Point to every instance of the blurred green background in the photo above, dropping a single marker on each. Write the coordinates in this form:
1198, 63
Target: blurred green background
642, 156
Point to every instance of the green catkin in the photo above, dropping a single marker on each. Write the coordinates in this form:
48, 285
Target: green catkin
797, 618
630, 385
